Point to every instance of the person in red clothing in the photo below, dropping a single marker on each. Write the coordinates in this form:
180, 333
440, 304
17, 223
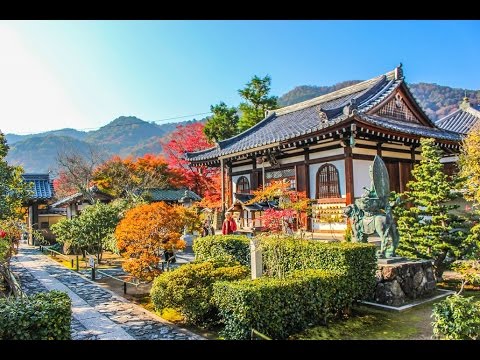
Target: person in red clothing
229, 224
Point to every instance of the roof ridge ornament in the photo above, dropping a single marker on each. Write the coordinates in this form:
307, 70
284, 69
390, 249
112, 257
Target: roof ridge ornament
399, 72
465, 103
351, 107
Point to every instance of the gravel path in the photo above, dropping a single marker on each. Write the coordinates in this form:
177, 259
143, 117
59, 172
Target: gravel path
98, 314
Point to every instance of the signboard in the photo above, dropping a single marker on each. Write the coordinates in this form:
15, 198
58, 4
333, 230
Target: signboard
91, 261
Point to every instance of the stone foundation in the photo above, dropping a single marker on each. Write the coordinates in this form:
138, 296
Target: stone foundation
400, 282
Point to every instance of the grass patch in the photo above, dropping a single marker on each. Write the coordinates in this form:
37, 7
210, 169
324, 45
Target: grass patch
367, 323
370, 324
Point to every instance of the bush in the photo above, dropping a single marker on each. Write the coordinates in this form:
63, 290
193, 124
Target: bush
189, 289
224, 248
469, 269
357, 261
280, 307
44, 316
456, 318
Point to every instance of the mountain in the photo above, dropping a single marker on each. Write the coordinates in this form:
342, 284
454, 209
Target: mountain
124, 136
79, 135
437, 100
37, 154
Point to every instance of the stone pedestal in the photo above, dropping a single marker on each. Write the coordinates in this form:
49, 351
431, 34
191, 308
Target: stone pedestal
400, 282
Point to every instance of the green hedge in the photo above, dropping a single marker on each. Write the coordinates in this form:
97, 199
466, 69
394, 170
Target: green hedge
189, 289
357, 261
44, 316
223, 247
280, 307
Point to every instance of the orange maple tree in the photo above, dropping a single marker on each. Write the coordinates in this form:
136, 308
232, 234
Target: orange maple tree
119, 177
146, 231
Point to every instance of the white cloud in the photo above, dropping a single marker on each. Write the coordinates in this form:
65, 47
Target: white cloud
31, 98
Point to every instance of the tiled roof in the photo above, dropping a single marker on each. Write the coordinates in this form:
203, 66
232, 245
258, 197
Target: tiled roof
411, 128
258, 206
77, 196
170, 195
42, 186
462, 120
321, 113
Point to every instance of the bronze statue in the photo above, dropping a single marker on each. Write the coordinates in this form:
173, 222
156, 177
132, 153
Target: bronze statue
372, 212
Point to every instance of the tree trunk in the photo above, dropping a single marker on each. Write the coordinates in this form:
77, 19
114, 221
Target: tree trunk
440, 266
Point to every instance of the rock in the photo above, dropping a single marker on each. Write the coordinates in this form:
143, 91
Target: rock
388, 273
404, 281
417, 279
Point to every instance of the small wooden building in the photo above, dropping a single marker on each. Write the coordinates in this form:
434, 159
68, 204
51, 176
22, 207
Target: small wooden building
75, 203
325, 145
38, 216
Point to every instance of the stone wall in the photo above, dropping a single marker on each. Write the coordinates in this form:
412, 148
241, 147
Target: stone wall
402, 282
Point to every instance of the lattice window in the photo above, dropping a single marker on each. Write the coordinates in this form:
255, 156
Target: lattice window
276, 175
243, 186
328, 182
397, 109
280, 174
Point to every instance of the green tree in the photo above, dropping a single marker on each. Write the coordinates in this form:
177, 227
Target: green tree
13, 190
469, 166
92, 230
223, 124
256, 102
428, 227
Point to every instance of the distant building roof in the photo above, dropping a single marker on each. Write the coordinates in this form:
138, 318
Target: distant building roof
242, 199
322, 113
170, 194
462, 120
42, 186
96, 193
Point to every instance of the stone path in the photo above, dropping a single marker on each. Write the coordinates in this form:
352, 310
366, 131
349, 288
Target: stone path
98, 314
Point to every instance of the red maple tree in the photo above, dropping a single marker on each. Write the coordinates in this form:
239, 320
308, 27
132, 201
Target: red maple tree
203, 180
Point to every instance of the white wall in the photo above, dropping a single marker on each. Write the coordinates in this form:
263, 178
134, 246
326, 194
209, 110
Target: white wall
292, 159
339, 164
325, 153
242, 167
361, 176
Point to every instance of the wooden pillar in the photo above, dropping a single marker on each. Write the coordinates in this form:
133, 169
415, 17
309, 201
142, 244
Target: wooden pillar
307, 171
349, 189
222, 188
412, 154
379, 149
229, 184
32, 221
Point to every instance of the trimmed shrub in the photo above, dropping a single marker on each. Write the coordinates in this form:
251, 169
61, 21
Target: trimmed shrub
189, 289
44, 316
225, 248
280, 307
357, 261
457, 318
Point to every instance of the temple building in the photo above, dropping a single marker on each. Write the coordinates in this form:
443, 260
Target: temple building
460, 121
325, 146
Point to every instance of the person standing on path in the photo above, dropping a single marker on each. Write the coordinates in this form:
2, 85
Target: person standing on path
229, 224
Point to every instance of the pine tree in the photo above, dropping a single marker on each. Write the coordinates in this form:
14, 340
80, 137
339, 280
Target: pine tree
257, 102
428, 227
223, 124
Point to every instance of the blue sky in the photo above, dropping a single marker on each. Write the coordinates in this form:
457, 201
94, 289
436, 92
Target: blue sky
83, 74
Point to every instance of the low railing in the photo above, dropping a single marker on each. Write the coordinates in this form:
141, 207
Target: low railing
74, 264
116, 278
